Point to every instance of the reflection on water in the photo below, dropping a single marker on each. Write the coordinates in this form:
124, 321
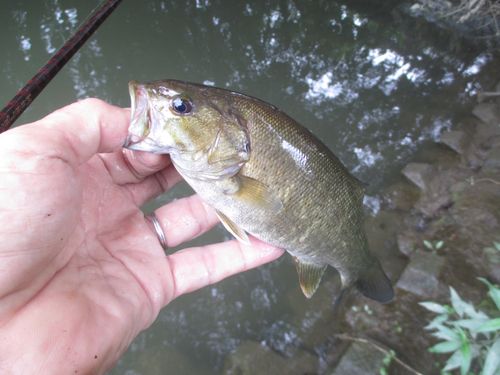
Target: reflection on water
354, 78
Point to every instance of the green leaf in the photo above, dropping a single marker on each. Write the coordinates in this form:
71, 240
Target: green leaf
437, 321
472, 313
446, 333
457, 302
492, 362
439, 245
497, 245
446, 347
490, 326
494, 292
494, 259
435, 307
466, 359
428, 245
454, 361
471, 324
490, 250
461, 333
387, 360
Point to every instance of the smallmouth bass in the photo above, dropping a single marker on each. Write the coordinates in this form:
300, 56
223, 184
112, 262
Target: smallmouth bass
264, 174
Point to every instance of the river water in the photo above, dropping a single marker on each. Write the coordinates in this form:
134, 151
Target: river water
370, 88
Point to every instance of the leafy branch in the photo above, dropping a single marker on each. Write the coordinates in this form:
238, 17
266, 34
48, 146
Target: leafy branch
467, 333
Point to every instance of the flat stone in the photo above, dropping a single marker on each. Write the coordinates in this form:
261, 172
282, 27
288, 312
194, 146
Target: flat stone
457, 140
488, 112
254, 358
421, 275
360, 359
419, 173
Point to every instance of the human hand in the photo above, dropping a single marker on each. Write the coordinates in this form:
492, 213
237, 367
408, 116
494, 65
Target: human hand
81, 270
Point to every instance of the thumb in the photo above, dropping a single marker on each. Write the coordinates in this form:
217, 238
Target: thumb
73, 134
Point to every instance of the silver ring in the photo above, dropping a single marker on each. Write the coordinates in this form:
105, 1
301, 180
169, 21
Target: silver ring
159, 231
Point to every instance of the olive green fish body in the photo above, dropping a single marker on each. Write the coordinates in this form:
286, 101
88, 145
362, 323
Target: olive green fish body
265, 174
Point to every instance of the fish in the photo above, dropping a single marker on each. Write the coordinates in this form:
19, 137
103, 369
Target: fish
264, 174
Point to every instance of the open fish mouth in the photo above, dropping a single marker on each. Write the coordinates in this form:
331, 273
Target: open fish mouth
140, 122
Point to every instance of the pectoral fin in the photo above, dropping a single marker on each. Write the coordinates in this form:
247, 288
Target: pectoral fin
309, 275
232, 228
257, 194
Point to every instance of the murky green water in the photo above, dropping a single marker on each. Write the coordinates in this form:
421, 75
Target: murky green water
358, 81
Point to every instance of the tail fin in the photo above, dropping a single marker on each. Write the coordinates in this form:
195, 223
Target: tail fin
375, 285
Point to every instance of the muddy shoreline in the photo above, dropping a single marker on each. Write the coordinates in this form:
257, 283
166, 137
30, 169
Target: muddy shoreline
450, 192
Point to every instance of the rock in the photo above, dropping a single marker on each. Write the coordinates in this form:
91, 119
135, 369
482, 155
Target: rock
419, 173
456, 140
438, 194
401, 195
487, 131
488, 112
360, 359
493, 160
253, 358
407, 242
421, 275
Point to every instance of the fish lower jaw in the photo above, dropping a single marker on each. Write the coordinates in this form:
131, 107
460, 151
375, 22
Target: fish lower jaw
137, 143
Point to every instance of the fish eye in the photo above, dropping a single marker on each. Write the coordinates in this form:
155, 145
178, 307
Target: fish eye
182, 106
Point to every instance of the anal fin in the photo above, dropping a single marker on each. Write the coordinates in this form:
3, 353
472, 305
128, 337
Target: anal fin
232, 228
309, 275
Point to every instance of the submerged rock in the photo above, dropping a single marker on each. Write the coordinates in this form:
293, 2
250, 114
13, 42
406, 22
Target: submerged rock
162, 360
314, 314
253, 358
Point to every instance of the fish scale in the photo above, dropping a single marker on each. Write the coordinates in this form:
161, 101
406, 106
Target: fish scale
264, 174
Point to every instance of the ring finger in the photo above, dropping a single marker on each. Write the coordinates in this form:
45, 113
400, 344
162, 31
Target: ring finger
185, 219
